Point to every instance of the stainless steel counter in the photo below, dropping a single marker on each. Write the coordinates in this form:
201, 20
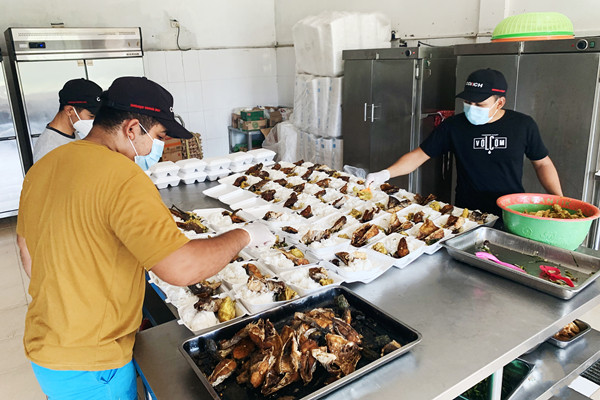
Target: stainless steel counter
472, 322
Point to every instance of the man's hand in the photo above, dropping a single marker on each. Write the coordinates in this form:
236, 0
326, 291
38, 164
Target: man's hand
377, 178
260, 235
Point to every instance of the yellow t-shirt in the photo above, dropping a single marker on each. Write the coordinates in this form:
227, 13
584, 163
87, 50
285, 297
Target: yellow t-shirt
92, 221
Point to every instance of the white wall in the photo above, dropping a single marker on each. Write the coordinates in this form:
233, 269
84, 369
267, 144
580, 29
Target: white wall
241, 70
204, 24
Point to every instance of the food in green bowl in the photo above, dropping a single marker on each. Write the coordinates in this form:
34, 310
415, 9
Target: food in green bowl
565, 233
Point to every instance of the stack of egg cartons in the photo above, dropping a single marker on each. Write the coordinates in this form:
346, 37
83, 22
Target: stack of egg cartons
164, 174
263, 156
240, 161
217, 167
191, 170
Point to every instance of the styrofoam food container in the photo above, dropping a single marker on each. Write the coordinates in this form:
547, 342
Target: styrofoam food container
415, 247
240, 312
238, 168
262, 155
236, 197
216, 191
162, 183
240, 158
191, 165
164, 168
230, 281
220, 173
254, 308
290, 277
193, 177
148, 172
380, 262
216, 163
249, 203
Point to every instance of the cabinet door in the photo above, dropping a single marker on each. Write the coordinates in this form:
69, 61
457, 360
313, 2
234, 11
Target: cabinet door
105, 71
40, 83
507, 64
564, 106
356, 101
394, 99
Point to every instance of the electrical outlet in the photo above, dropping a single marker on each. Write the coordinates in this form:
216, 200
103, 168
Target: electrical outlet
174, 23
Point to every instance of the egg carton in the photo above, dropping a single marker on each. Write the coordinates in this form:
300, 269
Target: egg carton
164, 169
191, 165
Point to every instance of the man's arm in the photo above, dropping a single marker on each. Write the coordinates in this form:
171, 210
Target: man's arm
408, 163
547, 175
24, 252
200, 258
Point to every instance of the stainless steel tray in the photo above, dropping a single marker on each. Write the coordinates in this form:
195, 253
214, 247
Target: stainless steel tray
528, 254
583, 329
376, 322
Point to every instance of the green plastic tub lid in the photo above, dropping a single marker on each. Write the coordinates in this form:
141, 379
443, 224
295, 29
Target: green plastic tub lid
534, 24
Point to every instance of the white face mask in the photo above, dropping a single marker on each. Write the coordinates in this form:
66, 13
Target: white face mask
83, 126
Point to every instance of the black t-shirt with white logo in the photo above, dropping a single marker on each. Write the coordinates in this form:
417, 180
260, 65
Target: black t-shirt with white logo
489, 157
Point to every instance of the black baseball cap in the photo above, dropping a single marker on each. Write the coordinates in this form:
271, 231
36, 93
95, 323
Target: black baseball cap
81, 93
482, 84
143, 96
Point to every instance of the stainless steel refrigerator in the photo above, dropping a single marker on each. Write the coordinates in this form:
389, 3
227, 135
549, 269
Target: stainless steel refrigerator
43, 59
11, 177
390, 100
557, 83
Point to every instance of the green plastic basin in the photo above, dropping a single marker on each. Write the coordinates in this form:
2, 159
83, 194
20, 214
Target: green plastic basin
533, 24
565, 233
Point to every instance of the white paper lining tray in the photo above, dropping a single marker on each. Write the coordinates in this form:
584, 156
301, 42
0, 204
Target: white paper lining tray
528, 254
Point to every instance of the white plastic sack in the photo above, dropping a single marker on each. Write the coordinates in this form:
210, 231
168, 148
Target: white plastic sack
332, 152
333, 118
323, 90
300, 115
283, 140
319, 40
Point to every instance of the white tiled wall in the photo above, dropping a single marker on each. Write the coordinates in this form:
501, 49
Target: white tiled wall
286, 70
207, 84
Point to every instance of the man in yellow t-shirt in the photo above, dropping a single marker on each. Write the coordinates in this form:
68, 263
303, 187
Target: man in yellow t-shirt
90, 223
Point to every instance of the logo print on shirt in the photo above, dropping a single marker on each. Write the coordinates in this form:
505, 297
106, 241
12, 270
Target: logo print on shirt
489, 142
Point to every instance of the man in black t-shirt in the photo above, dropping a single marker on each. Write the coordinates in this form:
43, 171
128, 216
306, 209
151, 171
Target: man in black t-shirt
488, 143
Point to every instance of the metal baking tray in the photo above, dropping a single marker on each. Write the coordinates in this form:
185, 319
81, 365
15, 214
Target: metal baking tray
528, 254
583, 329
375, 322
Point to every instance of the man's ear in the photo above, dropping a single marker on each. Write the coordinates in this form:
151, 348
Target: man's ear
128, 128
501, 102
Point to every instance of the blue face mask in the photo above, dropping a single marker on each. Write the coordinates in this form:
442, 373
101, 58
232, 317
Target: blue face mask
479, 115
151, 158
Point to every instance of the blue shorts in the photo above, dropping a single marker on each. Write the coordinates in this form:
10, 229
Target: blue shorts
110, 384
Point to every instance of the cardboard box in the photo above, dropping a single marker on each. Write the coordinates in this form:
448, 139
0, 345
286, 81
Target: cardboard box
235, 118
252, 125
266, 131
253, 115
173, 150
275, 117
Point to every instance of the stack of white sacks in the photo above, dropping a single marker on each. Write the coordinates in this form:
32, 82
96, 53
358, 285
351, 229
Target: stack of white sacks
315, 130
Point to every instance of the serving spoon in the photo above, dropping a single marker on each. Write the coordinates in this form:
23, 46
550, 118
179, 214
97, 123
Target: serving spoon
487, 256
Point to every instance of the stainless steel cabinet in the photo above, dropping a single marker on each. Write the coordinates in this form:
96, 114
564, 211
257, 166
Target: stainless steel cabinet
11, 175
389, 99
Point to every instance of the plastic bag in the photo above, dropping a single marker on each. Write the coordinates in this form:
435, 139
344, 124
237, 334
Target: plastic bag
358, 172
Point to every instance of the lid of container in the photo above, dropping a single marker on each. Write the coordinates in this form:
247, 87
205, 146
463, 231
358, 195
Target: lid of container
190, 163
164, 166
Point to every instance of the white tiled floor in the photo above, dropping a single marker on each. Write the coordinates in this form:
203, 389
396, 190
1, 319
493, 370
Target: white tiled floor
17, 380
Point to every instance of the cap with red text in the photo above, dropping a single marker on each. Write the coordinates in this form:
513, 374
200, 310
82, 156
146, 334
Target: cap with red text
482, 84
81, 93
143, 96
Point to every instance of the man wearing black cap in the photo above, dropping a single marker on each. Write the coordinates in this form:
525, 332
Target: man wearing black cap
90, 224
79, 100
489, 144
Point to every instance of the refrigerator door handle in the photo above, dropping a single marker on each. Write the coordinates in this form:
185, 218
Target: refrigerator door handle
373, 107
365, 113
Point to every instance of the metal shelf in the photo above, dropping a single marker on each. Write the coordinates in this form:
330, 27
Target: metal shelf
247, 134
